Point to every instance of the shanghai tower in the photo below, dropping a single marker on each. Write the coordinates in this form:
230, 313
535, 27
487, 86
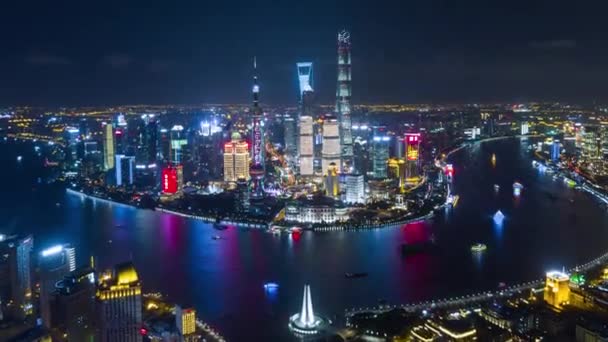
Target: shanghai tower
343, 105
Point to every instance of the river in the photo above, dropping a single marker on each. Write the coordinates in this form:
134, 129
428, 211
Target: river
548, 226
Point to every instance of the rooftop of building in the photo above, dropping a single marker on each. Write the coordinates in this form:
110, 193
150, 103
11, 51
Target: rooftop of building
501, 311
460, 326
125, 273
318, 201
75, 280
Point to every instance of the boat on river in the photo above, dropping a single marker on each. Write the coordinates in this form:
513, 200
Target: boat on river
219, 226
355, 275
478, 248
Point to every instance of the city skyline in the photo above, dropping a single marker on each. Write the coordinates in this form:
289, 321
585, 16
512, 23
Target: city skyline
432, 170
432, 52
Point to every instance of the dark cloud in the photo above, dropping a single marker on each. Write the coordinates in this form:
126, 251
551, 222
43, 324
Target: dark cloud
117, 60
554, 44
44, 59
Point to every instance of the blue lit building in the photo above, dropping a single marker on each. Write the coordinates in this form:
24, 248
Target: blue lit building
15, 273
380, 151
555, 150
54, 263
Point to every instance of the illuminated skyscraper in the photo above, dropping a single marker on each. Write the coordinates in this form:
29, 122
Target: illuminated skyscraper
257, 139
332, 183
525, 128
72, 139
185, 320
305, 77
306, 146
412, 155
380, 151
119, 305
208, 148
355, 189
172, 180
396, 170
108, 147
178, 141
236, 159
307, 109
305, 82
343, 98
146, 143
54, 263
290, 130
124, 169
75, 305
331, 144
557, 289
16, 256
555, 150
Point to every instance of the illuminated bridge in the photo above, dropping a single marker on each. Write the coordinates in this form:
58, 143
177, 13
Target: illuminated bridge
472, 299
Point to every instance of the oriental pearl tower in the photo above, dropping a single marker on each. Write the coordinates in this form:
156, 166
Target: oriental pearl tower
256, 170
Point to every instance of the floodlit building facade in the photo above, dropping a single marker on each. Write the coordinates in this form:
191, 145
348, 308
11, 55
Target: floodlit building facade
119, 304
331, 144
306, 146
557, 289
355, 189
108, 147
236, 159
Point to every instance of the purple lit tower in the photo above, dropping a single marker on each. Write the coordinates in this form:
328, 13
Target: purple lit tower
256, 171
343, 105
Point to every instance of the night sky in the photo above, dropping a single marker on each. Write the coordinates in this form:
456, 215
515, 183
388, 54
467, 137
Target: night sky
178, 52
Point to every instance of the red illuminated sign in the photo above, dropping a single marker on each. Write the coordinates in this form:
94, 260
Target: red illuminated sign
169, 180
